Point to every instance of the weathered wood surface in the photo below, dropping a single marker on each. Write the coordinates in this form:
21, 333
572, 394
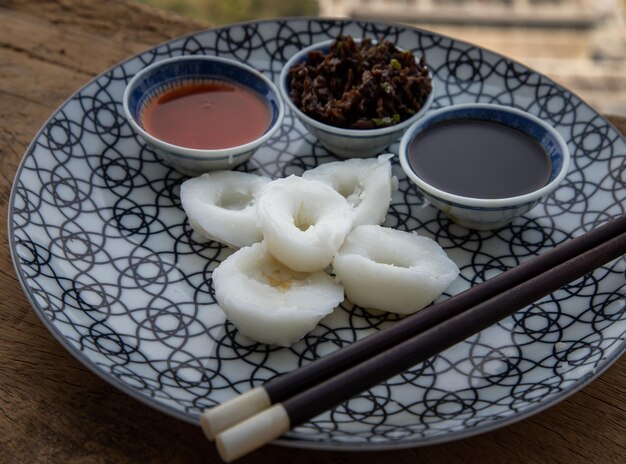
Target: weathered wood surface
53, 410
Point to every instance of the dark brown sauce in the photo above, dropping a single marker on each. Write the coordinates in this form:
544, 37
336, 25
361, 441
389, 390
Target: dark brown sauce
207, 115
479, 159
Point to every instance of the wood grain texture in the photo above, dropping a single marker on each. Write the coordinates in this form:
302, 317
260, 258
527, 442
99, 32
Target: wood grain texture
53, 409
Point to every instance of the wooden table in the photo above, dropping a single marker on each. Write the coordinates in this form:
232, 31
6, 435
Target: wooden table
53, 410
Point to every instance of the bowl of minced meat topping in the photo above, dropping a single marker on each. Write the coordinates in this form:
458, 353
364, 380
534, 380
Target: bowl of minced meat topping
356, 96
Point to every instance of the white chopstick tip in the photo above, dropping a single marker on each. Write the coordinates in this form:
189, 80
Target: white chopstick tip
221, 417
207, 427
252, 433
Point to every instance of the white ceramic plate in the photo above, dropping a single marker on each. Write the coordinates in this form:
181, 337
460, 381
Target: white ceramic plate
106, 256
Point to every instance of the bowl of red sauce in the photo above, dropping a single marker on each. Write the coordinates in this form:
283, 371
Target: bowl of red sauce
483, 165
202, 113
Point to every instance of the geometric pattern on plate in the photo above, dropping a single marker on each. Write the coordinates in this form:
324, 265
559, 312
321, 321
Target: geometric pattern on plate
108, 261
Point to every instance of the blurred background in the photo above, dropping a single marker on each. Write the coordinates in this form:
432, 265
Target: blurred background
579, 43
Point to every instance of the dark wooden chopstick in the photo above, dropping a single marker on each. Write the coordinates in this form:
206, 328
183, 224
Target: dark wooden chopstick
419, 348
280, 388
279, 418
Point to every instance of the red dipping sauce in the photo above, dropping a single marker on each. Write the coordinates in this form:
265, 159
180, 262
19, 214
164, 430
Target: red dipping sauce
205, 115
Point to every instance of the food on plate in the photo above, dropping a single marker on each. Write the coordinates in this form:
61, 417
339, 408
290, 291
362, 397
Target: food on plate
444, 152
367, 184
181, 114
269, 302
360, 84
279, 284
392, 270
221, 206
304, 222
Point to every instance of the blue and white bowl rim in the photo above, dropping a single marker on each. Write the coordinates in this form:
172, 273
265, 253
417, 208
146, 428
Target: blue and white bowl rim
559, 154
271, 96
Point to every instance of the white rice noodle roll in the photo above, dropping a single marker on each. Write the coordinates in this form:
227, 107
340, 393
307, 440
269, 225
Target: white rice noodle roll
221, 206
269, 302
304, 222
367, 184
392, 270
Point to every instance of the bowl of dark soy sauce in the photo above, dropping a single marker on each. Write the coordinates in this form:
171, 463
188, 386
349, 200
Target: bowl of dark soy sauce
483, 165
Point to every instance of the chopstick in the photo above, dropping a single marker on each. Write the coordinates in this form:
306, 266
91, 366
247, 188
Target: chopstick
279, 418
221, 417
311, 390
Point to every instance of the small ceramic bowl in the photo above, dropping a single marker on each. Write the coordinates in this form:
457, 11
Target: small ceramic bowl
345, 143
166, 74
489, 213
